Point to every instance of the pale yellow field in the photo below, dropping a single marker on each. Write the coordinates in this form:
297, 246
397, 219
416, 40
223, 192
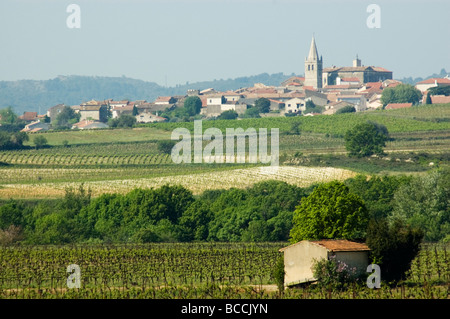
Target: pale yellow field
197, 183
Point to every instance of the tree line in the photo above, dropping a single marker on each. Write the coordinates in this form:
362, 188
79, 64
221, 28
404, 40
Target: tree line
268, 211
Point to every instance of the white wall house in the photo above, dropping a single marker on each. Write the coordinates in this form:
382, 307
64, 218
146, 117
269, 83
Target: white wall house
215, 100
295, 105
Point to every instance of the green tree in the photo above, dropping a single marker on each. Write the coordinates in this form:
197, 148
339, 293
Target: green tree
428, 99
262, 105
194, 223
402, 93
123, 121
393, 247
228, 115
251, 112
13, 140
193, 105
52, 229
366, 139
424, 203
231, 216
11, 213
7, 116
330, 212
377, 192
40, 141
346, 109
311, 107
440, 90
67, 117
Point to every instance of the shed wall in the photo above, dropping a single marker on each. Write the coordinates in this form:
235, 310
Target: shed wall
298, 261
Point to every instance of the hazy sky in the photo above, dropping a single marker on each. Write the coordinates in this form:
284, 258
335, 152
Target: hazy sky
174, 41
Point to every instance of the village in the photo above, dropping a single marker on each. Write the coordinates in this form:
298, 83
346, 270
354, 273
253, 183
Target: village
329, 90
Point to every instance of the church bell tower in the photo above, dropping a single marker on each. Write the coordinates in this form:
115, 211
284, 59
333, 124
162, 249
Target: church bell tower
313, 67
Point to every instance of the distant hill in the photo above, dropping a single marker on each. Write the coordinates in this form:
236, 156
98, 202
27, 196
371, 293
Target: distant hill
39, 95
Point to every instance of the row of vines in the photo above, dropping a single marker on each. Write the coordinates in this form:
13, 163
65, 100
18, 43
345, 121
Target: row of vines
13, 157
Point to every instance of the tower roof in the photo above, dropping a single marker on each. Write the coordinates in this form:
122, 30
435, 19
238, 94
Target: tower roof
313, 54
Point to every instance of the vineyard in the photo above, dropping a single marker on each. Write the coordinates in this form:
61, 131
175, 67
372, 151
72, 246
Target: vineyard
198, 270
421, 118
197, 182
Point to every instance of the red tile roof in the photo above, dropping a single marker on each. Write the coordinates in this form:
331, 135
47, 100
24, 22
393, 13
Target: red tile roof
355, 79
119, 102
163, 98
391, 106
433, 80
276, 101
29, 116
374, 84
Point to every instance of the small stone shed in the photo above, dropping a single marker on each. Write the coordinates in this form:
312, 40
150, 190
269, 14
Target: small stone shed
299, 257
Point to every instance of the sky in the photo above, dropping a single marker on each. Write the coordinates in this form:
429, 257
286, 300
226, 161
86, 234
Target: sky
172, 42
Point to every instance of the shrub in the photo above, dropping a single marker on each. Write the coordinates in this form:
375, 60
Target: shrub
333, 274
278, 273
10, 235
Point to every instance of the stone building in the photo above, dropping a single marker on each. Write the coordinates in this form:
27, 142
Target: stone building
357, 73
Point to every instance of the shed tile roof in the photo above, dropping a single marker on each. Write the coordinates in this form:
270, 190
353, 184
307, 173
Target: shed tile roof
335, 245
341, 245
